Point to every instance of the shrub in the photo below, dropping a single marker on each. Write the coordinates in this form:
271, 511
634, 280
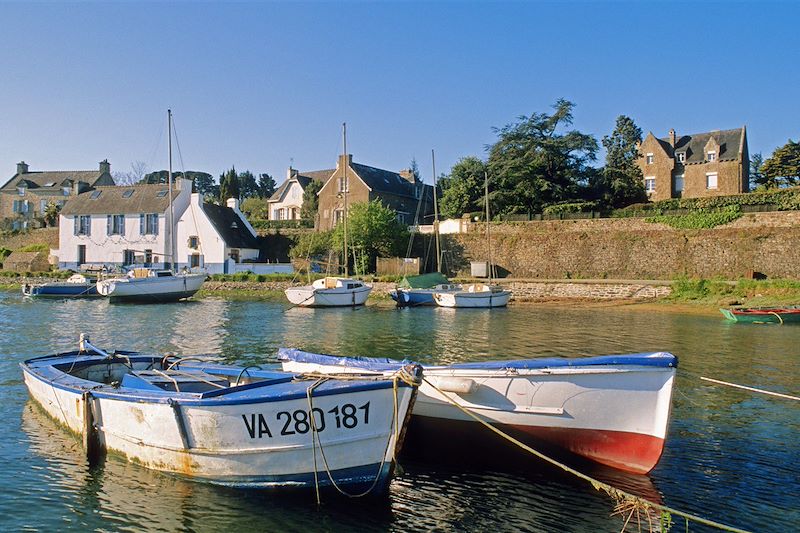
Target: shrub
35, 248
700, 219
574, 207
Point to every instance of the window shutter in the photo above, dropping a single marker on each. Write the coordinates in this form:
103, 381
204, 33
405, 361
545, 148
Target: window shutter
88, 224
75, 225
155, 223
122, 225
141, 223
108, 224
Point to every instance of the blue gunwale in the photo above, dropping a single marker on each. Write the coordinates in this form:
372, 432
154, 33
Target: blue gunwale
277, 387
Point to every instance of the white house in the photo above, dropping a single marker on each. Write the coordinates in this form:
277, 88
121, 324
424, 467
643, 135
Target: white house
286, 201
120, 226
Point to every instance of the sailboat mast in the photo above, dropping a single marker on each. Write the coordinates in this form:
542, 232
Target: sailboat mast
435, 216
488, 235
171, 232
344, 163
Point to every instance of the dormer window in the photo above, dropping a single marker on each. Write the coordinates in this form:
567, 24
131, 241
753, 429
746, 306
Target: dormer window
649, 159
711, 156
681, 157
65, 191
21, 190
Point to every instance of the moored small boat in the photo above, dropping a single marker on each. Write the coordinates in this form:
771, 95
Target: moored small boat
415, 291
146, 285
613, 410
759, 315
475, 295
76, 286
237, 426
330, 292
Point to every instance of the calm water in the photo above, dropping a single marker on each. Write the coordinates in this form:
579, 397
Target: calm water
730, 456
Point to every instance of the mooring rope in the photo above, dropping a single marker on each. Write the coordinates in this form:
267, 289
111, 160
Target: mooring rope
753, 389
612, 491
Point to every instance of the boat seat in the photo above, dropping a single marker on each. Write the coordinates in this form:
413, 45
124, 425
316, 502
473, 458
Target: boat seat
168, 380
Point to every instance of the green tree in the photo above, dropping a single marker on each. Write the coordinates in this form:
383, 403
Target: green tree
534, 164
204, 184
372, 231
308, 211
266, 185
51, 212
228, 185
462, 189
255, 208
314, 244
757, 178
248, 186
782, 169
621, 182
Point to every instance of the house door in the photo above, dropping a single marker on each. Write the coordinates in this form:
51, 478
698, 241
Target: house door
81, 254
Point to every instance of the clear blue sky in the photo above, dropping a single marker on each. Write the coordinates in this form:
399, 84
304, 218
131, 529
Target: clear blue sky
258, 85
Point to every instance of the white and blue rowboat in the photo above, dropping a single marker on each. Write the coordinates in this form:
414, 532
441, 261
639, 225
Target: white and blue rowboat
330, 292
236, 426
475, 295
145, 285
76, 286
419, 297
613, 409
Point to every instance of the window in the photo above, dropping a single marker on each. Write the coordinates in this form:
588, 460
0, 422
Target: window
43, 205
711, 156
277, 214
148, 258
194, 241
115, 224
194, 261
148, 224
650, 185
95, 195
234, 254
344, 186
681, 156
338, 216
649, 159
65, 191
20, 206
128, 257
82, 225
679, 183
711, 180
21, 190
161, 194
128, 193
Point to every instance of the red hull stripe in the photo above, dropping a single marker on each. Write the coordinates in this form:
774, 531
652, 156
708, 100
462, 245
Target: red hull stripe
630, 452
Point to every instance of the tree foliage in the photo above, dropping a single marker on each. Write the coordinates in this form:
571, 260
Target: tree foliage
308, 211
255, 208
757, 179
248, 186
228, 185
462, 189
202, 182
621, 181
266, 185
372, 231
534, 163
51, 212
783, 167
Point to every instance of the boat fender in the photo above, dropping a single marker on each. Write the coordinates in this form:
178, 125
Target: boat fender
454, 384
91, 440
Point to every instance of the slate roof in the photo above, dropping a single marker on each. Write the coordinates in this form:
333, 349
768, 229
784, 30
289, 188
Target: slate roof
383, 180
111, 201
694, 145
303, 179
59, 178
230, 226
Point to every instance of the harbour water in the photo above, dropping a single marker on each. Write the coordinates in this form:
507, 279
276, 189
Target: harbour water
730, 456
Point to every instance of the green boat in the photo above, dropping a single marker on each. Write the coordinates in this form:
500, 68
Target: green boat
763, 315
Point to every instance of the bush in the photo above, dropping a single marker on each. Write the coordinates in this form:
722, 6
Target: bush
280, 224
780, 200
35, 248
574, 207
700, 219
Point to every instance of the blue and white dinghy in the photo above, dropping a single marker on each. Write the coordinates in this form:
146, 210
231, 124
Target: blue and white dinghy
236, 426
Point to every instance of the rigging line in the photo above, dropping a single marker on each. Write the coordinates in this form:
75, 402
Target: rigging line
156, 146
178, 146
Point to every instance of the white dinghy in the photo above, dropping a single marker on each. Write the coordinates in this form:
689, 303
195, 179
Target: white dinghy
236, 426
330, 292
612, 409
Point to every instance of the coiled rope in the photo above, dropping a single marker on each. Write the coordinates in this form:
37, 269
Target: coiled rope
617, 494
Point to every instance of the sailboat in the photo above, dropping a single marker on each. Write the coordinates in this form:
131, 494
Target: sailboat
477, 294
333, 291
147, 285
415, 291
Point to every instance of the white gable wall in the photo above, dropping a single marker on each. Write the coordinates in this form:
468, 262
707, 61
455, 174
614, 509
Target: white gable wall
289, 205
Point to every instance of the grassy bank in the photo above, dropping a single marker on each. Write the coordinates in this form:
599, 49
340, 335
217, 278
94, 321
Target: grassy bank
722, 293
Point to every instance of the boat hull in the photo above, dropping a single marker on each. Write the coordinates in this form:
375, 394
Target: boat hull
615, 414
313, 297
763, 315
242, 441
483, 299
151, 289
61, 290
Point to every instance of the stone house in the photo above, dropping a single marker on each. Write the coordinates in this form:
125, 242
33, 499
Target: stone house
400, 191
127, 225
25, 196
714, 163
286, 201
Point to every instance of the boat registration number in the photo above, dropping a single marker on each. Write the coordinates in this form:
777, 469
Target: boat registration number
299, 421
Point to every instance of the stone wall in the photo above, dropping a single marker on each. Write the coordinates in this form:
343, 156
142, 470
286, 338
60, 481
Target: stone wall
633, 249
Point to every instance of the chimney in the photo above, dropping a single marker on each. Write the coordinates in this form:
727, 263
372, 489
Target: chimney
672, 137
105, 166
291, 172
22, 167
407, 175
344, 160
233, 203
